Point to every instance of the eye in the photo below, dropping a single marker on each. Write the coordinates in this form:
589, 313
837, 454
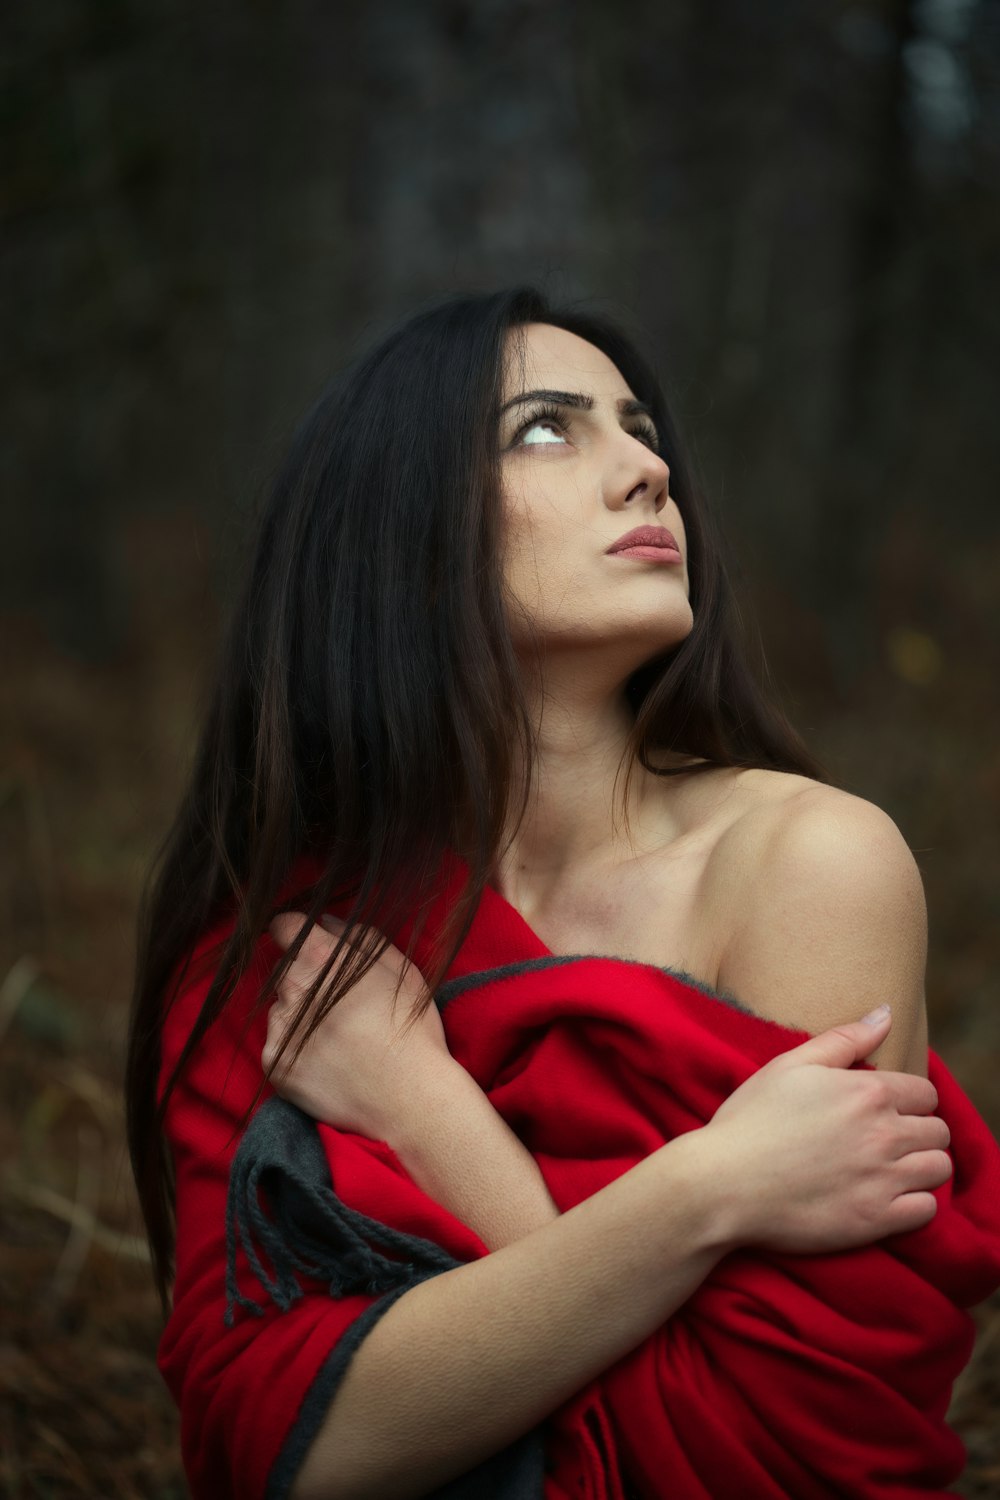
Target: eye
541, 432
542, 427
547, 425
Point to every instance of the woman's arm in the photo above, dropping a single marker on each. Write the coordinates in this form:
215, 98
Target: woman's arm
364, 1069
830, 919
803, 1157
464, 1155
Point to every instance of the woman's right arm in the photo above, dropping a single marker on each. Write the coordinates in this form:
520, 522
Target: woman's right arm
463, 1364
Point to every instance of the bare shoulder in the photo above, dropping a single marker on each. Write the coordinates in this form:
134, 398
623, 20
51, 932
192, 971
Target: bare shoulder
824, 911
788, 826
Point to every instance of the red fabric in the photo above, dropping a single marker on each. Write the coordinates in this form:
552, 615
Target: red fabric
804, 1376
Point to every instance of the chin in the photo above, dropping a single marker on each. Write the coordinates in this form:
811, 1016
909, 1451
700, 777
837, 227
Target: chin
656, 646
667, 629
634, 655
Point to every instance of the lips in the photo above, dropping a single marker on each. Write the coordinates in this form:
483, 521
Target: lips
645, 536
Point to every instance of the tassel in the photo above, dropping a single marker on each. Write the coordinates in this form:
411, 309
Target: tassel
307, 1230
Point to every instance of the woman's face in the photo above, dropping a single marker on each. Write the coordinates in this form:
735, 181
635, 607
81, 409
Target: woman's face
580, 471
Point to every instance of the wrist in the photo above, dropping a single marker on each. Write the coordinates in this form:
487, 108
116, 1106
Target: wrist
426, 1104
693, 1165
464, 1155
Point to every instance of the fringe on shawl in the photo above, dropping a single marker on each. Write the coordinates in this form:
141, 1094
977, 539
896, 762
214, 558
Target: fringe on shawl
281, 1205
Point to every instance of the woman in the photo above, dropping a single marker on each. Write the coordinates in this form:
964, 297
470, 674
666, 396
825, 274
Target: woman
485, 663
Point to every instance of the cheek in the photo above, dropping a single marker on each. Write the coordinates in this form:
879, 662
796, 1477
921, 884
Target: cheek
537, 532
675, 521
538, 559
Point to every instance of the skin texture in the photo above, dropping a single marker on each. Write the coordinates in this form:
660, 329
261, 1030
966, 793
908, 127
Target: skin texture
800, 899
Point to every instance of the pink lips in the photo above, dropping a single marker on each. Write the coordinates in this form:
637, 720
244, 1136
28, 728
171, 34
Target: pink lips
653, 542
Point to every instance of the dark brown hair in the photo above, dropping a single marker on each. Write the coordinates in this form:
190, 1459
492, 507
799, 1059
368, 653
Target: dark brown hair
368, 707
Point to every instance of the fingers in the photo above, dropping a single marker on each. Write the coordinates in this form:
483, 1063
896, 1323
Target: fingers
278, 1022
841, 1046
318, 944
922, 1171
285, 929
910, 1211
923, 1133
911, 1094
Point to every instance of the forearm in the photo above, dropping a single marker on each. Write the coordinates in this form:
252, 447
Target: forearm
465, 1156
502, 1342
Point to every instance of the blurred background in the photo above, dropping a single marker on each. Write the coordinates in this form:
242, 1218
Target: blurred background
205, 211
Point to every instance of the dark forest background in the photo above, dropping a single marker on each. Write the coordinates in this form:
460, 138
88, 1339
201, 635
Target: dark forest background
205, 211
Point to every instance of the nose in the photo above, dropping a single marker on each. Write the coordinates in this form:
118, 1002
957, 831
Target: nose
641, 477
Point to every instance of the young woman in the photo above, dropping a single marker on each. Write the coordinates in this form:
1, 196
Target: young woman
483, 713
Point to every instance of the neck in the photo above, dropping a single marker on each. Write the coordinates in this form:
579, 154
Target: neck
577, 820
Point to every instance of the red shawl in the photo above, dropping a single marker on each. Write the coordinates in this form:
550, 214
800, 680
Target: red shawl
803, 1376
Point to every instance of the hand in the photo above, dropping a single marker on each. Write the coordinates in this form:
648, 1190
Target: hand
815, 1157
362, 1069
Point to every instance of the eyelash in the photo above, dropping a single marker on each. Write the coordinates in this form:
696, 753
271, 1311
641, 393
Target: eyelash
646, 432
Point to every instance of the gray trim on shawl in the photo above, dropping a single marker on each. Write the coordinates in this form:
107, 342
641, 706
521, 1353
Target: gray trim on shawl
455, 987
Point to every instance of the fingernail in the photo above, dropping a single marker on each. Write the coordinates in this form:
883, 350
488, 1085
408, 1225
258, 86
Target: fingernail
877, 1016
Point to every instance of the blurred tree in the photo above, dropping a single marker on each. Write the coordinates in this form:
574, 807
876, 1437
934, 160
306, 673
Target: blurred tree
203, 216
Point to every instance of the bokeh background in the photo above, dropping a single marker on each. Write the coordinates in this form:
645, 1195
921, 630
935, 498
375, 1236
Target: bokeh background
205, 211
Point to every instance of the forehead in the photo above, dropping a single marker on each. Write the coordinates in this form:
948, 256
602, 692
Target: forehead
541, 356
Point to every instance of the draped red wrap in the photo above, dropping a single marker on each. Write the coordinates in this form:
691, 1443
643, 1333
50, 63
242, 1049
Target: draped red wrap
801, 1376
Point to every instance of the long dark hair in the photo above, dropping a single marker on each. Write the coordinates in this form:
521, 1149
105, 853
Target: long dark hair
368, 708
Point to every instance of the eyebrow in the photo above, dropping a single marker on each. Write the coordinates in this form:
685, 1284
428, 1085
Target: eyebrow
627, 407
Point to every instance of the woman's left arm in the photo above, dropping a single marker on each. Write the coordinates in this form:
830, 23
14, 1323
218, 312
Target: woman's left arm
831, 920
365, 1069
